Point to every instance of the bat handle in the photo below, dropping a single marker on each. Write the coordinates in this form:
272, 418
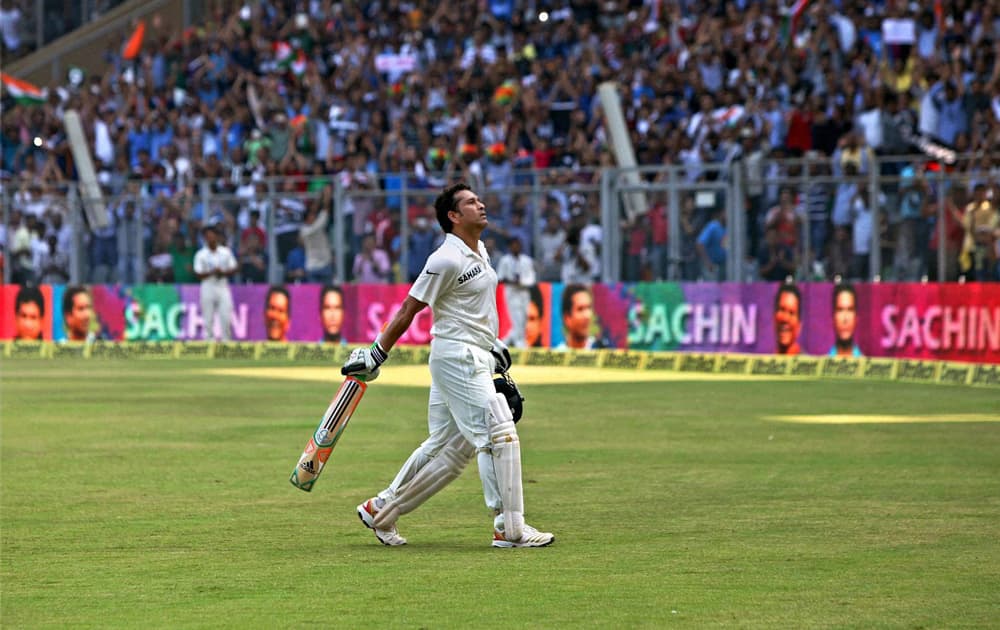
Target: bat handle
350, 369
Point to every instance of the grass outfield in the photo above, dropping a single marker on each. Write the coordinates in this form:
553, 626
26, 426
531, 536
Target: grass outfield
151, 493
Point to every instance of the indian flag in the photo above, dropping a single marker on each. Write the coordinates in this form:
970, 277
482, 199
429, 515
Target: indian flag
283, 53
790, 22
22, 91
300, 63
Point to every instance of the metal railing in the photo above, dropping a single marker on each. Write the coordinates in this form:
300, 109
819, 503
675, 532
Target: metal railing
394, 208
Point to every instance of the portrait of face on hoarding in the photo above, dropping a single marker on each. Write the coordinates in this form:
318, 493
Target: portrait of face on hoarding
277, 314
29, 314
845, 321
535, 321
331, 314
77, 313
787, 319
577, 314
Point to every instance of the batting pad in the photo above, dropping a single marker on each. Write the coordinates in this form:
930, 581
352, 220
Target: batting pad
437, 473
507, 463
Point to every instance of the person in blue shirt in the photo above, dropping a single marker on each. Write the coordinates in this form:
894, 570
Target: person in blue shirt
295, 264
712, 247
845, 321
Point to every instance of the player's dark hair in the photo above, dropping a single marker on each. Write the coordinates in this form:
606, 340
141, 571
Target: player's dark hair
567, 297
330, 288
283, 291
445, 203
28, 295
69, 295
843, 288
794, 290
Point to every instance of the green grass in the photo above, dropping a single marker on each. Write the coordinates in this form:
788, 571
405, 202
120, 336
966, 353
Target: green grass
148, 493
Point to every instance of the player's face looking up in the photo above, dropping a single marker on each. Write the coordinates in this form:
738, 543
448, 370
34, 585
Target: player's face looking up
469, 210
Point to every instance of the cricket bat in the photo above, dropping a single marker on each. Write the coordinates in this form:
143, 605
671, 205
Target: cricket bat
330, 428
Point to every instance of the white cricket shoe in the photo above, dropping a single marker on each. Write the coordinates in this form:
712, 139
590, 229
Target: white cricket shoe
530, 537
367, 512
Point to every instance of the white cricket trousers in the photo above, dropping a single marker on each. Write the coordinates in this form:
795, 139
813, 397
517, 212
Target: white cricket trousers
461, 390
216, 300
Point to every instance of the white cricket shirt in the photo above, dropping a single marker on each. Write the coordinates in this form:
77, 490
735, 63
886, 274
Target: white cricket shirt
207, 260
461, 288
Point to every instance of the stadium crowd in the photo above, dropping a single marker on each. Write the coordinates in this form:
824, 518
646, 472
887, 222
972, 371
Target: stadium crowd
267, 103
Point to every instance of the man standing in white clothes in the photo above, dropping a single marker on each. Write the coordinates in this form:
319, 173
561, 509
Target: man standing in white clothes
516, 270
466, 414
213, 264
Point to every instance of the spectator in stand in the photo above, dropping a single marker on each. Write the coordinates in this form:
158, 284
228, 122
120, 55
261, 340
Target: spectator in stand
981, 222
711, 246
371, 264
288, 215
658, 245
104, 249
912, 237
636, 247
861, 232
316, 242
20, 236
54, 263
776, 260
10, 30
691, 227
579, 261
516, 271
295, 265
954, 234
159, 266
253, 229
253, 260
423, 240
182, 252
129, 237
816, 200
785, 219
551, 243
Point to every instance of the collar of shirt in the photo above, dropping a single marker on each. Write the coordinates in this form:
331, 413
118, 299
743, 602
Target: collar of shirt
462, 247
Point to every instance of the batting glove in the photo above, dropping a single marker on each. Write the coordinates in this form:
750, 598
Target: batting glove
365, 362
501, 355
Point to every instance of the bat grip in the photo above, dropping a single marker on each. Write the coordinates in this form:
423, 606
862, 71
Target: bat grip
352, 368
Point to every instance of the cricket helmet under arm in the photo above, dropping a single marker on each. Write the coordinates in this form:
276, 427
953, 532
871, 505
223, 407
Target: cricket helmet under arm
505, 385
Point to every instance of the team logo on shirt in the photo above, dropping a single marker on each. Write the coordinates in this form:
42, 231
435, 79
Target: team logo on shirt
470, 274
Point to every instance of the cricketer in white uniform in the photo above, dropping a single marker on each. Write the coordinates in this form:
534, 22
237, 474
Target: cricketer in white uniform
466, 416
213, 264
517, 272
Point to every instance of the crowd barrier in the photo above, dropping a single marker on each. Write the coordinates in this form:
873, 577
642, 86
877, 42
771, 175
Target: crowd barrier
946, 321
906, 370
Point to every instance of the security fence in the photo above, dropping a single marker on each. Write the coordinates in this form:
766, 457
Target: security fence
804, 219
